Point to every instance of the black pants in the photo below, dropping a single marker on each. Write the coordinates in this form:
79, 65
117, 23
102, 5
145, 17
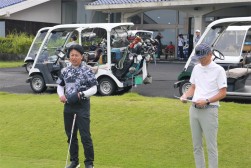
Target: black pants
181, 52
82, 124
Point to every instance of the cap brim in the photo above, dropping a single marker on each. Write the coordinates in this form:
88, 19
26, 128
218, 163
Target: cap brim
198, 57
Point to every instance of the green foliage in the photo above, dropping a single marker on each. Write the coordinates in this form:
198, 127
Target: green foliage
128, 131
87, 43
5, 45
16, 43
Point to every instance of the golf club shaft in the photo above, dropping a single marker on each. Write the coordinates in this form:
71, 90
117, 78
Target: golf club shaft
184, 99
69, 147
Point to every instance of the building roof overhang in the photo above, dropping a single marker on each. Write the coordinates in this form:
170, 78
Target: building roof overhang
132, 5
7, 11
5, 3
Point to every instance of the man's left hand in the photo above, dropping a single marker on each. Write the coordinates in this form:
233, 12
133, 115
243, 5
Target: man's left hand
201, 103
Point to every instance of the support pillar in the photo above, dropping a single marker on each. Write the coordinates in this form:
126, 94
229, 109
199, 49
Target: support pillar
124, 17
199, 23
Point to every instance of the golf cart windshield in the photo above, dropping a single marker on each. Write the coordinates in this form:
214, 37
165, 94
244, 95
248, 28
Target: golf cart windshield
37, 43
230, 42
227, 40
212, 35
56, 40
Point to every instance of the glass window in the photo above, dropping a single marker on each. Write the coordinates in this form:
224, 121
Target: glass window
100, 17
168, 35
182, 17
160, 17
116, 18
136, 19
2, 29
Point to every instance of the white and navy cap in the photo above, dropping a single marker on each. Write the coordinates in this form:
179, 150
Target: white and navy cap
202, 50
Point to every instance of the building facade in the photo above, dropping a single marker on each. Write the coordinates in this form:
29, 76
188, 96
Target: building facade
170, 17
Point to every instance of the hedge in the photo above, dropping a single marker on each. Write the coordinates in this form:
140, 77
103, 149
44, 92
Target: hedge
15, 46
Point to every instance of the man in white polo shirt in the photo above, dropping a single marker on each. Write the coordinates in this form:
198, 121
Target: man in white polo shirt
208, 86
196, 37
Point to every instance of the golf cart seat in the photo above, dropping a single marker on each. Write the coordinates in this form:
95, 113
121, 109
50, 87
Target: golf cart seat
246, 48
236, 78
237, 72
90, 56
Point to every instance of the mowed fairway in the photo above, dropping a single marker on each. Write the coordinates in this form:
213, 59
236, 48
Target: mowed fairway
129, 131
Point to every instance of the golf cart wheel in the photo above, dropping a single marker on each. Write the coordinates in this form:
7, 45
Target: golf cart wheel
106, 86
28, 66
184, 86
37, 84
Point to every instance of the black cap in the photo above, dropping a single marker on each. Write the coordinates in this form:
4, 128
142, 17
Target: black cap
74, 37
76, 47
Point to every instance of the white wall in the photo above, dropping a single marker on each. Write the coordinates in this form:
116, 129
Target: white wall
233, 12
49, 12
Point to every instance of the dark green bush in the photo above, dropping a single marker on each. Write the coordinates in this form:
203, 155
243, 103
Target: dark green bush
16, 43
5, 45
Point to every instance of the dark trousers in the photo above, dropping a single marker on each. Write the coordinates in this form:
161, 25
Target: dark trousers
181, 52
159, 51
82, 124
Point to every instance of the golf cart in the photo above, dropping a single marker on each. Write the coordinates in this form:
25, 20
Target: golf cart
230, 40
117, 68
144, 34
30, 57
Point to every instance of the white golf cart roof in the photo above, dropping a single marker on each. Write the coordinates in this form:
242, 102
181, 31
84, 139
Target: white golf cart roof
107, 26
225, 20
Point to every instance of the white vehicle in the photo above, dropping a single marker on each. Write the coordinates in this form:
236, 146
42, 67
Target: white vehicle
230, 40
144, 34
117, 68
31, 55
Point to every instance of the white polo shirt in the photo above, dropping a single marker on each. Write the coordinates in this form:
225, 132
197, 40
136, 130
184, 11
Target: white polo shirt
208, 81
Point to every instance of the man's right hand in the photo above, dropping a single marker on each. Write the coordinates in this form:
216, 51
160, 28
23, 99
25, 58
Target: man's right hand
183, 99
63, 99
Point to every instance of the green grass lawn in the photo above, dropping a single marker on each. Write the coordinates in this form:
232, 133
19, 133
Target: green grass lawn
128, 131
11, 64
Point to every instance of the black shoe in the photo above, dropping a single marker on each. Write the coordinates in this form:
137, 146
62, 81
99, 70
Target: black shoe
74, 164
89, 166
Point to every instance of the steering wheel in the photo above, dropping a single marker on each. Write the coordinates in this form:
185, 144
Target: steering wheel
217, 54
60, 53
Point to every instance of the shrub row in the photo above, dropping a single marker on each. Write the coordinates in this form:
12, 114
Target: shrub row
14, 46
